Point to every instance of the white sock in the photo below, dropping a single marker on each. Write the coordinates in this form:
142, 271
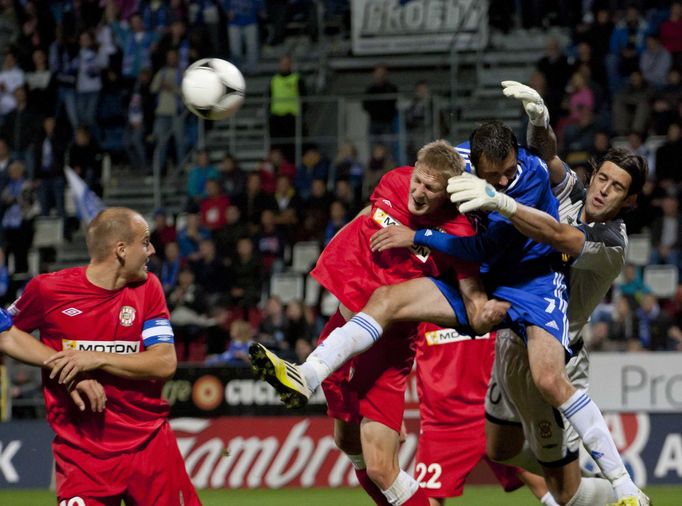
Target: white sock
358, 461
588, 421
402, 489
548, 500
592, 491
525, 460
357, 335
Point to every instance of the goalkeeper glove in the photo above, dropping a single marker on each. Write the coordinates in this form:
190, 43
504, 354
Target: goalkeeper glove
532, 102
5, 320
471, 193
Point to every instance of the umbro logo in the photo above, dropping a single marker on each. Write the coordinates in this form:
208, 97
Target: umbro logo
72, 311
552, 324
387, 202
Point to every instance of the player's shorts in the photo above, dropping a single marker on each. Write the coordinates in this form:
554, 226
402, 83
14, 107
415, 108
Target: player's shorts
540, 302
444, 459
154, 474
513, 399
372, 385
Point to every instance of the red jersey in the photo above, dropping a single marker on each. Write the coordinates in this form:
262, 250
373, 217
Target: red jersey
213, 211
71, 312
452, 377
348, 268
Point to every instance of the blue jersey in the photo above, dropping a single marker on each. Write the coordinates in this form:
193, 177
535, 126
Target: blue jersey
505, 250
515, 268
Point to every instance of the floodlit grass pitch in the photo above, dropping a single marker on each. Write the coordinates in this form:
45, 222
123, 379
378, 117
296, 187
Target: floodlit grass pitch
473, 496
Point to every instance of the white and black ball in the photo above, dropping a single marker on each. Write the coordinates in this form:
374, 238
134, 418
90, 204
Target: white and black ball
213, 88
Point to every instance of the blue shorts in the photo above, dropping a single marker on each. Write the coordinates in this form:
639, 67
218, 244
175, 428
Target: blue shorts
541, 302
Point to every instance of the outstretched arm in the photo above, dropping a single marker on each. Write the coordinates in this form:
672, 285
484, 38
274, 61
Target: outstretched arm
539, 135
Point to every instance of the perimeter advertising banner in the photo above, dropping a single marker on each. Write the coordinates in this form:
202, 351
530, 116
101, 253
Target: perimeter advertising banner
274, 452
418, 26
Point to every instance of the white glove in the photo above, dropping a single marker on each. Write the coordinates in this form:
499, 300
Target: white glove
531, 99
470, 193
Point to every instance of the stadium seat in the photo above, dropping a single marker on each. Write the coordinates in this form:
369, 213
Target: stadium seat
287, 286
305, 254
639, 249
312, 291
662, 279
48, 232
329, 304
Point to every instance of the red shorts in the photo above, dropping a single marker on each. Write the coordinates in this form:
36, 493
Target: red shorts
444, 459
372, 385
154, 474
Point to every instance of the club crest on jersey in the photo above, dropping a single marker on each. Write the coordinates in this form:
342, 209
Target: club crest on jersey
545, 429
127, 316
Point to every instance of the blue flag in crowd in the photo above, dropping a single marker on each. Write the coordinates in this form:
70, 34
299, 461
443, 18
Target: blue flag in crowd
88, 204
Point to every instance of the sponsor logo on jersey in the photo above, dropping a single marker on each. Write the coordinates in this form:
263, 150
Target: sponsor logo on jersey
72, 311
123, 347
445, 336
386, 220
127, 316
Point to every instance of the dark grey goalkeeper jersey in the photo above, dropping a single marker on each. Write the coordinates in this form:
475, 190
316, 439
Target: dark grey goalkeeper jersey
600, 261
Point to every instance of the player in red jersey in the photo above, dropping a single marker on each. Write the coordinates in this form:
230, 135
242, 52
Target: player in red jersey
110, 319
366, 396
452, 373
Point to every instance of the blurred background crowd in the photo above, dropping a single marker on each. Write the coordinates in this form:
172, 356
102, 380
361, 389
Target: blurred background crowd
83, 81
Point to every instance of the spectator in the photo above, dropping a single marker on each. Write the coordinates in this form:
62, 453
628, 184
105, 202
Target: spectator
418, 120
671, 33
585, 58
313, 166
41, 93
665, 103
598, 36
49, 170
176, 40
155, 16
140, 121
380, 162
26, 388
169, 120
277, 10
316, 209
669, 155
253, 201
162, 234
135, 44
347, 167
199, 175
20, 129
85, 159
171, 264
337, 220
19, 211
601, 144
285, 92
246, 277
5, 161
289, 204
237, 353
91, 61
190, 236
5, 296
227, 236
622, 328
652, 325
187, 306
210, 272
554, 66
632, 286
64, 66
214, 207
627, 42
655, 62
345, 194
243, 28
299, 324
580, 96
270, 244
666, 234
11, 78
280, 165
381, 111
271, 330
232, 177
631, 106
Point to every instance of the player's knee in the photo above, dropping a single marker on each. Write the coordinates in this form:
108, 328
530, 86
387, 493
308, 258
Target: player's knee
381, 472
500, 452
347, 443
562, 495
549, 383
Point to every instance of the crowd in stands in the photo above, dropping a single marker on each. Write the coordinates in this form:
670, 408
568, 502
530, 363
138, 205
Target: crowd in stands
104, 77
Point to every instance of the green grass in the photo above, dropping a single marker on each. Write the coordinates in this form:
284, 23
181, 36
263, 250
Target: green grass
473, 496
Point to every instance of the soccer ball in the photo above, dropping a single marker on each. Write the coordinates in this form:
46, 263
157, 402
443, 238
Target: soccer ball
213, 88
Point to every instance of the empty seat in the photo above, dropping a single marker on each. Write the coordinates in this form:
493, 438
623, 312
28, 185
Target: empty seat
662, 279
639, 249
304, 256
48, 232
287, 286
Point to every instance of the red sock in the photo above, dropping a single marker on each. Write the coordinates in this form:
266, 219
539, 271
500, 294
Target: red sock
370, 487
419, 498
